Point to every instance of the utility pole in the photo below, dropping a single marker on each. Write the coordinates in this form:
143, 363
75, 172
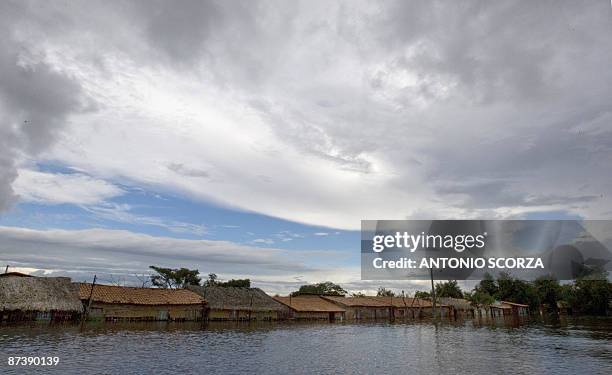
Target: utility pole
433, 294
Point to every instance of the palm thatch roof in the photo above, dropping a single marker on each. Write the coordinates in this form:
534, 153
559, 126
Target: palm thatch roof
235, 298
309, 303
138, 296
39, 294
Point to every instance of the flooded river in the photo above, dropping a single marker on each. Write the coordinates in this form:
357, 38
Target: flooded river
477, 347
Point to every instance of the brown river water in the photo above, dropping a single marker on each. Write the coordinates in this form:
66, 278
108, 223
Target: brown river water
566, 346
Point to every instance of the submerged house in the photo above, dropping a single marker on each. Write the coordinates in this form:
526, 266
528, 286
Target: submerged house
234, 303
414, 308
312, 307
459, 307
117, 303
26, 298
358, 308
504, 308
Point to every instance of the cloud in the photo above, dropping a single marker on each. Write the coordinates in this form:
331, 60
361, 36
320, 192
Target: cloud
265, 241
36, 99
323, 113
124, 213
62, 188
83, 253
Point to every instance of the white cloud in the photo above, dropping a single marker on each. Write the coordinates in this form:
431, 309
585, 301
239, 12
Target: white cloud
83, 253
321, 234
59, 188
329, 114
266, 241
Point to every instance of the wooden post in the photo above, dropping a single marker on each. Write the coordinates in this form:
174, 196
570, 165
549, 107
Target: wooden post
6, 269
433, 295
86, 315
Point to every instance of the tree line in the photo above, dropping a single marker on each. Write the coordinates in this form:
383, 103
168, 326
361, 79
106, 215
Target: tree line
177, 278
584, 295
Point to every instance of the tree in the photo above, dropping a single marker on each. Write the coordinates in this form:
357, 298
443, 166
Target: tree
171, 278
449, 289
237, 283
324, 288
479, 298
357, 294
487, 285
421, 294
212, 280
592, 296
548, 291
384, 292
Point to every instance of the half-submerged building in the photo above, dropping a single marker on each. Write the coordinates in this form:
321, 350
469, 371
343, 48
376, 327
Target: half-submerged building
234, 303
27, 298
358, 308
117, 303
414, 308
312, 307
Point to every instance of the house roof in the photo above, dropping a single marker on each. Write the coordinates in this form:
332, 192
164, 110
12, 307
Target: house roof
309, 303
514, 304
406, 301
139, 296
357, 301
39, 294
235, 298
457, 303
15, 273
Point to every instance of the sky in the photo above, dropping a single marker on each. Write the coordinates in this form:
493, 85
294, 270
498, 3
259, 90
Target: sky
250, 138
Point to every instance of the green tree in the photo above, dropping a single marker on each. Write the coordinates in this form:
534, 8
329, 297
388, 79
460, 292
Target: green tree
358, 294
449, 289
592, 296
478, 298
421, 294
384, 292
212, 280
548, 291
324, 288
237, 283
172, 278
487, 285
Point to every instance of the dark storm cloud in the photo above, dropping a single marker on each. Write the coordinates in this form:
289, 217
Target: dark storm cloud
503, 104
35, 101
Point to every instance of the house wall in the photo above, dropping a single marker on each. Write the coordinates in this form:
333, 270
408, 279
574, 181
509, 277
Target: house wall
29, 316
226, 314
106, 311
361, 313
312, 315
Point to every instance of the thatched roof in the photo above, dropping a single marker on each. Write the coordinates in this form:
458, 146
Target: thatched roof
139, 296
357, 301
309, 303
235, 298
39, 294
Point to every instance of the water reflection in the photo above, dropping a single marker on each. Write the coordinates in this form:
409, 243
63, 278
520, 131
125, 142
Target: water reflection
476, 346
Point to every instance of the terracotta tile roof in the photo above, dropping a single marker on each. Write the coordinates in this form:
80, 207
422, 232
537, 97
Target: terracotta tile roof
357, 301
139, 296
309, 304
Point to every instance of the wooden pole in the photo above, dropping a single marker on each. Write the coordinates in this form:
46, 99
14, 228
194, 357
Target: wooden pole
6, 269
433, 294
90, 296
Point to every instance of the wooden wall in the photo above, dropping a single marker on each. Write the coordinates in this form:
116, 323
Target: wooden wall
104, 311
